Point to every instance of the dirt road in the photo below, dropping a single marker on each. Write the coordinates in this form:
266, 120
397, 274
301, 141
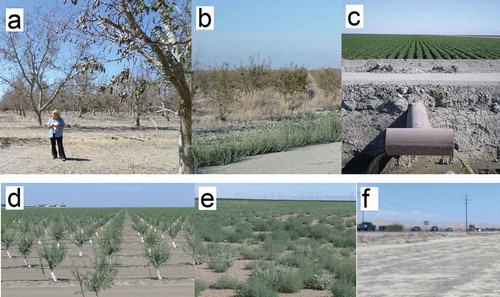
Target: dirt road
314, 159
447, 266
419, 78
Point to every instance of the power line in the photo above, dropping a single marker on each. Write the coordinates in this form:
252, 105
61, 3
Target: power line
466, 213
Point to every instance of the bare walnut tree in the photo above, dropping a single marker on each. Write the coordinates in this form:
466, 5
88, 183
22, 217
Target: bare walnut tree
32, 62
158, 31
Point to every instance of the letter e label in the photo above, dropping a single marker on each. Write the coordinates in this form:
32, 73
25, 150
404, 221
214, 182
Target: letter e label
207, 198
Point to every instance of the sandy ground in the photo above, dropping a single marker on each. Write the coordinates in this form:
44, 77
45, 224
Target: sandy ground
438, 264
422, 65
419, 78
315, 159
133, 277
92, 145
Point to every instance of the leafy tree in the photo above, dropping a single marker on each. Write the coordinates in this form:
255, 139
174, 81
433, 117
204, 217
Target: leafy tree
157, 31
157, 256
25, 245
53, 255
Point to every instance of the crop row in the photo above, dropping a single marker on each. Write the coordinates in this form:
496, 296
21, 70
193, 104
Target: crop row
377, 46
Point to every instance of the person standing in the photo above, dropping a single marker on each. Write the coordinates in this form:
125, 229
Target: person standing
56, 125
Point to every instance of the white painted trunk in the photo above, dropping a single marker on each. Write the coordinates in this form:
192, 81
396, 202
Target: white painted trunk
158, 273
58, 244
27, 263
155, 229
46, 231
194, 262
149, 251
53, 275
142, 239
173, 244
138, 234
90, 241
39, 242
162, 236
96, 234
80, 253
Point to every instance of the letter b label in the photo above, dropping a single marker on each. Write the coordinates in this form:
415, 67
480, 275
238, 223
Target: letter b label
205, 17
14, 198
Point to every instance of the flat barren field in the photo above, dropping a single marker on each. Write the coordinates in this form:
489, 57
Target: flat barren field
428, 264
93, 145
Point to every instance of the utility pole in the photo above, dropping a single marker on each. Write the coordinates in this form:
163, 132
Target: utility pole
466, 213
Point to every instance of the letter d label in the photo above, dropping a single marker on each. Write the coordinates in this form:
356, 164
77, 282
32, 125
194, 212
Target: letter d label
14, 198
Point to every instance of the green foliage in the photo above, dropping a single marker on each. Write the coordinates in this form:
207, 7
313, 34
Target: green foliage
256, 288
102, 275
282, 278
8, 238
329, 80
57, 230
199, 286
232, 147
222, 257
25, 244
226, 283
158, 255
343, 288
379, 46
291, 80
53, 255
394, 228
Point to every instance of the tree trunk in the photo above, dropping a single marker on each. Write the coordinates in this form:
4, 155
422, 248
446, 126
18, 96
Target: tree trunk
39, 116
186, 165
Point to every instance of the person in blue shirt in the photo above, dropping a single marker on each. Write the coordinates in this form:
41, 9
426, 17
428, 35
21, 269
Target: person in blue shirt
56, 125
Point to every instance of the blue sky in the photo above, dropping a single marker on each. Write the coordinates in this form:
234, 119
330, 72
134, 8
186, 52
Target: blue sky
32, 7
441, 17
306, 33
286, 191
108, 195
436, 202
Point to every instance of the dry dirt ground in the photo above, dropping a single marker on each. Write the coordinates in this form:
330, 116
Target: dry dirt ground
133, 277
460, 94
314, 159
428, 264
93, 144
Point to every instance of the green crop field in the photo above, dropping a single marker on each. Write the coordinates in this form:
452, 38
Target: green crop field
379, 46
263, 248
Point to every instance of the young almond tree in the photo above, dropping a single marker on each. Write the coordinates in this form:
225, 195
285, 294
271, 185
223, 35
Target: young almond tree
24, 246
79, 238
7, 240
57, 232
157, 256
173, 229
101, 277
193, 242
151, 239
53, 255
